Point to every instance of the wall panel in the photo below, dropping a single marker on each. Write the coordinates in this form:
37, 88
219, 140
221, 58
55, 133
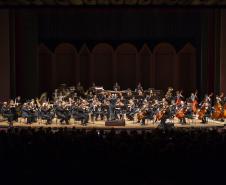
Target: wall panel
66, 63
103, 65
165, 66
187, 68
126, 57
45, 69
146, 67
85, 68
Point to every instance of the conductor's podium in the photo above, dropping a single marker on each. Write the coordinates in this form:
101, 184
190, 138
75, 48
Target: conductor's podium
115, 123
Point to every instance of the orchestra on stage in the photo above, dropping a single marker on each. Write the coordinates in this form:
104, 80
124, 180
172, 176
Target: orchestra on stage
96, 104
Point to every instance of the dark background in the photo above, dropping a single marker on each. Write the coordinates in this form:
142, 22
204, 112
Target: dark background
159, 47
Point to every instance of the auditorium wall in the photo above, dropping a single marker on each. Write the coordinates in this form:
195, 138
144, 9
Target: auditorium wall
151, 46
128, 45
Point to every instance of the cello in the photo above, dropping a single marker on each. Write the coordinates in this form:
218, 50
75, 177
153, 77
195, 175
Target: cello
142, 114
160, 113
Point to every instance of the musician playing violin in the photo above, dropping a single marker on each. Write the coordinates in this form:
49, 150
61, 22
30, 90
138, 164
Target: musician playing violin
29, 111
62, 112
7, 112
46, 113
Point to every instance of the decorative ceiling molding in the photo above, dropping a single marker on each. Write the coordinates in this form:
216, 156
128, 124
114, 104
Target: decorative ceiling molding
113, 2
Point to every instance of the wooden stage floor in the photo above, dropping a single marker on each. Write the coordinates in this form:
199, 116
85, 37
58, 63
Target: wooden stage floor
129, 125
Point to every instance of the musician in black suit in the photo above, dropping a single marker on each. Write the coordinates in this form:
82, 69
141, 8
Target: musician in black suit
139, 88
46, 113
79, 89
112, 107
92, 89
81, 115
7, 112
62, 113
28, 112
18, 100
116, 87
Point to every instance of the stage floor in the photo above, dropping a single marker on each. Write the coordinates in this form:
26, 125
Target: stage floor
195, 123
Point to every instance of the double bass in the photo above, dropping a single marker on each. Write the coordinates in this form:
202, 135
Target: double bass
194, 103
224, 111
202, 112
218, 109
217, 114
179, 97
